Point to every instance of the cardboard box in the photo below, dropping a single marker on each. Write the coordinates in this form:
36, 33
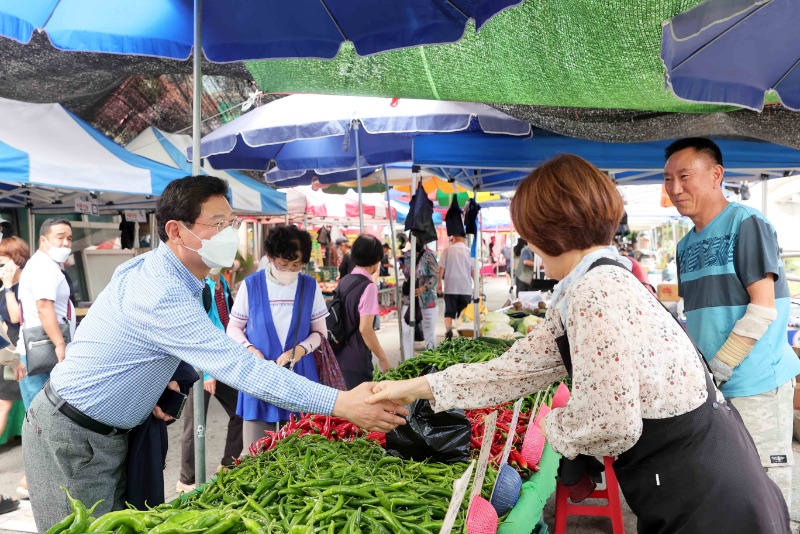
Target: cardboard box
668, 292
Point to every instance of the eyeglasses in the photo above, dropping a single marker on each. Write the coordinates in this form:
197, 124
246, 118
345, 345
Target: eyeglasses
234, 223
293, 267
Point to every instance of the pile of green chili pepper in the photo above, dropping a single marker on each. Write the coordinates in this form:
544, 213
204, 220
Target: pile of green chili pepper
303, 485
452, 352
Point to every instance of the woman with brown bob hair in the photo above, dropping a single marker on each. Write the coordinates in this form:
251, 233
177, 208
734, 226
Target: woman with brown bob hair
640, 390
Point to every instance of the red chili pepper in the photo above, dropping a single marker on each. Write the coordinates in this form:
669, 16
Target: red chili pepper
326, 427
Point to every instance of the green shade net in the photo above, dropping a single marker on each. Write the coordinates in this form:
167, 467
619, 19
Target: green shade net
575, 53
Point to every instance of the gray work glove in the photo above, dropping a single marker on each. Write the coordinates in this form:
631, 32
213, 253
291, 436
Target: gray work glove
722, 371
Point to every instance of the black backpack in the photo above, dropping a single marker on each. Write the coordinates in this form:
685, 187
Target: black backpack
337, 312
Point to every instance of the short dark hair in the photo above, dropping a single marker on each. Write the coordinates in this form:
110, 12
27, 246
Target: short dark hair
182, 199
386, 246
288, 242
702, 145
567, 204
49, 223
367, 250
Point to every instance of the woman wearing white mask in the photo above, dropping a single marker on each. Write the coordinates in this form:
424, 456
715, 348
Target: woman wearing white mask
279, 314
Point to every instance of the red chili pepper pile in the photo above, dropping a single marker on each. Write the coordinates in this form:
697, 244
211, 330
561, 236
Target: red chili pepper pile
333, 428
504, 416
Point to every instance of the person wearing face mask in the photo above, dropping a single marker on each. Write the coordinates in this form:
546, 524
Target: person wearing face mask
360, 300
44, 292
142, 325
278, 315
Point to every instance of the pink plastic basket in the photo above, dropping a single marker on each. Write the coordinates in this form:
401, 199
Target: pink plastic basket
561, 397
481, 517
533, 445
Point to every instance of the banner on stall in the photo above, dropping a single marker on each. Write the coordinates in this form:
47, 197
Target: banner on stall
87, 205
135, 216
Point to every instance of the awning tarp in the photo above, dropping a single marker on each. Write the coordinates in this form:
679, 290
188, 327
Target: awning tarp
629, 162
44, 144
246, 194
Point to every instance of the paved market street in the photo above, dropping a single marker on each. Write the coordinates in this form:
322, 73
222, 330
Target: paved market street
497, 293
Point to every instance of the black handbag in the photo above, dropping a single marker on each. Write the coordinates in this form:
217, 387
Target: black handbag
40, 351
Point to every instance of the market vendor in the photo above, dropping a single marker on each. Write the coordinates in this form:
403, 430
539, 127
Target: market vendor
640, 390
142, 325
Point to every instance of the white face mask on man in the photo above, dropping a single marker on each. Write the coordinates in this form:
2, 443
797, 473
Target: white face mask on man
58, 254
219, 251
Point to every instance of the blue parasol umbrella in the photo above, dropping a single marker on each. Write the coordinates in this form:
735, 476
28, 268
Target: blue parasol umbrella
303, 132
733, 51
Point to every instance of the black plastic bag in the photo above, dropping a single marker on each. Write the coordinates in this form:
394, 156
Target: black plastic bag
420, 217
454, 219
471, 216
442, 437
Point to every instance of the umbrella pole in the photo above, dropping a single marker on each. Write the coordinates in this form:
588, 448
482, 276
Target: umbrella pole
397, 297
476, 299
198, 394
412, 285
31, 229
358, 179
511, 246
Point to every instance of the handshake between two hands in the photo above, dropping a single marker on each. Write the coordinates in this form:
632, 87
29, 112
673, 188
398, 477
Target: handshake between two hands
379, 406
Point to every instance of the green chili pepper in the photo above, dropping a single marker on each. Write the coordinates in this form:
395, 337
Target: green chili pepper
61, 525
112, 520
223, 525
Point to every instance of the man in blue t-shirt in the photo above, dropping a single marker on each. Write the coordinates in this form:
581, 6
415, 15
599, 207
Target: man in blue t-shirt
736, 301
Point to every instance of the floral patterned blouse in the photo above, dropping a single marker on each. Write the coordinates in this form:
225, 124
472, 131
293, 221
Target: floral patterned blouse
631, 361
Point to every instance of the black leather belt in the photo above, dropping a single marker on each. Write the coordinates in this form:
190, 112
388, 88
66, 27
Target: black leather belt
78, 417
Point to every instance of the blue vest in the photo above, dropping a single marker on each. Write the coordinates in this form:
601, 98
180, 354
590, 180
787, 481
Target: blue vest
261, 332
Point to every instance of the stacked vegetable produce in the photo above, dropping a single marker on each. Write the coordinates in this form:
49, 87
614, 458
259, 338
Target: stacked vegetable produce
324, 474
303, 484
448, 353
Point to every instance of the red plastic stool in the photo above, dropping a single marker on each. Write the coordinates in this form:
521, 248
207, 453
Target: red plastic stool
612, 510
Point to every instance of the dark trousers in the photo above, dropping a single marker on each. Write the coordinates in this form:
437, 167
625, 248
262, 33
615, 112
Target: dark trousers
522, 286
227, 397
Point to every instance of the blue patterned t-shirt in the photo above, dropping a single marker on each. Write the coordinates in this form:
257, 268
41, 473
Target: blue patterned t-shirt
715, 267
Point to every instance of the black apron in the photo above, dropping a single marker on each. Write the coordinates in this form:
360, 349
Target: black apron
698, 472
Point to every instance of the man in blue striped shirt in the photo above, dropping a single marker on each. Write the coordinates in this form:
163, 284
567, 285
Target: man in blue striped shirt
736, 300
142, 325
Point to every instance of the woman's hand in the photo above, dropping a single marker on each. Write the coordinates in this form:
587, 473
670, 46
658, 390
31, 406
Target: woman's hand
254, 350
384, 364
7, 274
401, 391
420, 290
286, 357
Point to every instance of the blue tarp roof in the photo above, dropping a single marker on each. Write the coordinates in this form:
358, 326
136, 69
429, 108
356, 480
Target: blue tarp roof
474, 160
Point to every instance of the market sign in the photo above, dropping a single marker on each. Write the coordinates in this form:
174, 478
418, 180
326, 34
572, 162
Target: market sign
87, 205
135, 216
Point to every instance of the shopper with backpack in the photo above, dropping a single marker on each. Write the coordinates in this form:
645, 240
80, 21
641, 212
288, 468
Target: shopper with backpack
352, 315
